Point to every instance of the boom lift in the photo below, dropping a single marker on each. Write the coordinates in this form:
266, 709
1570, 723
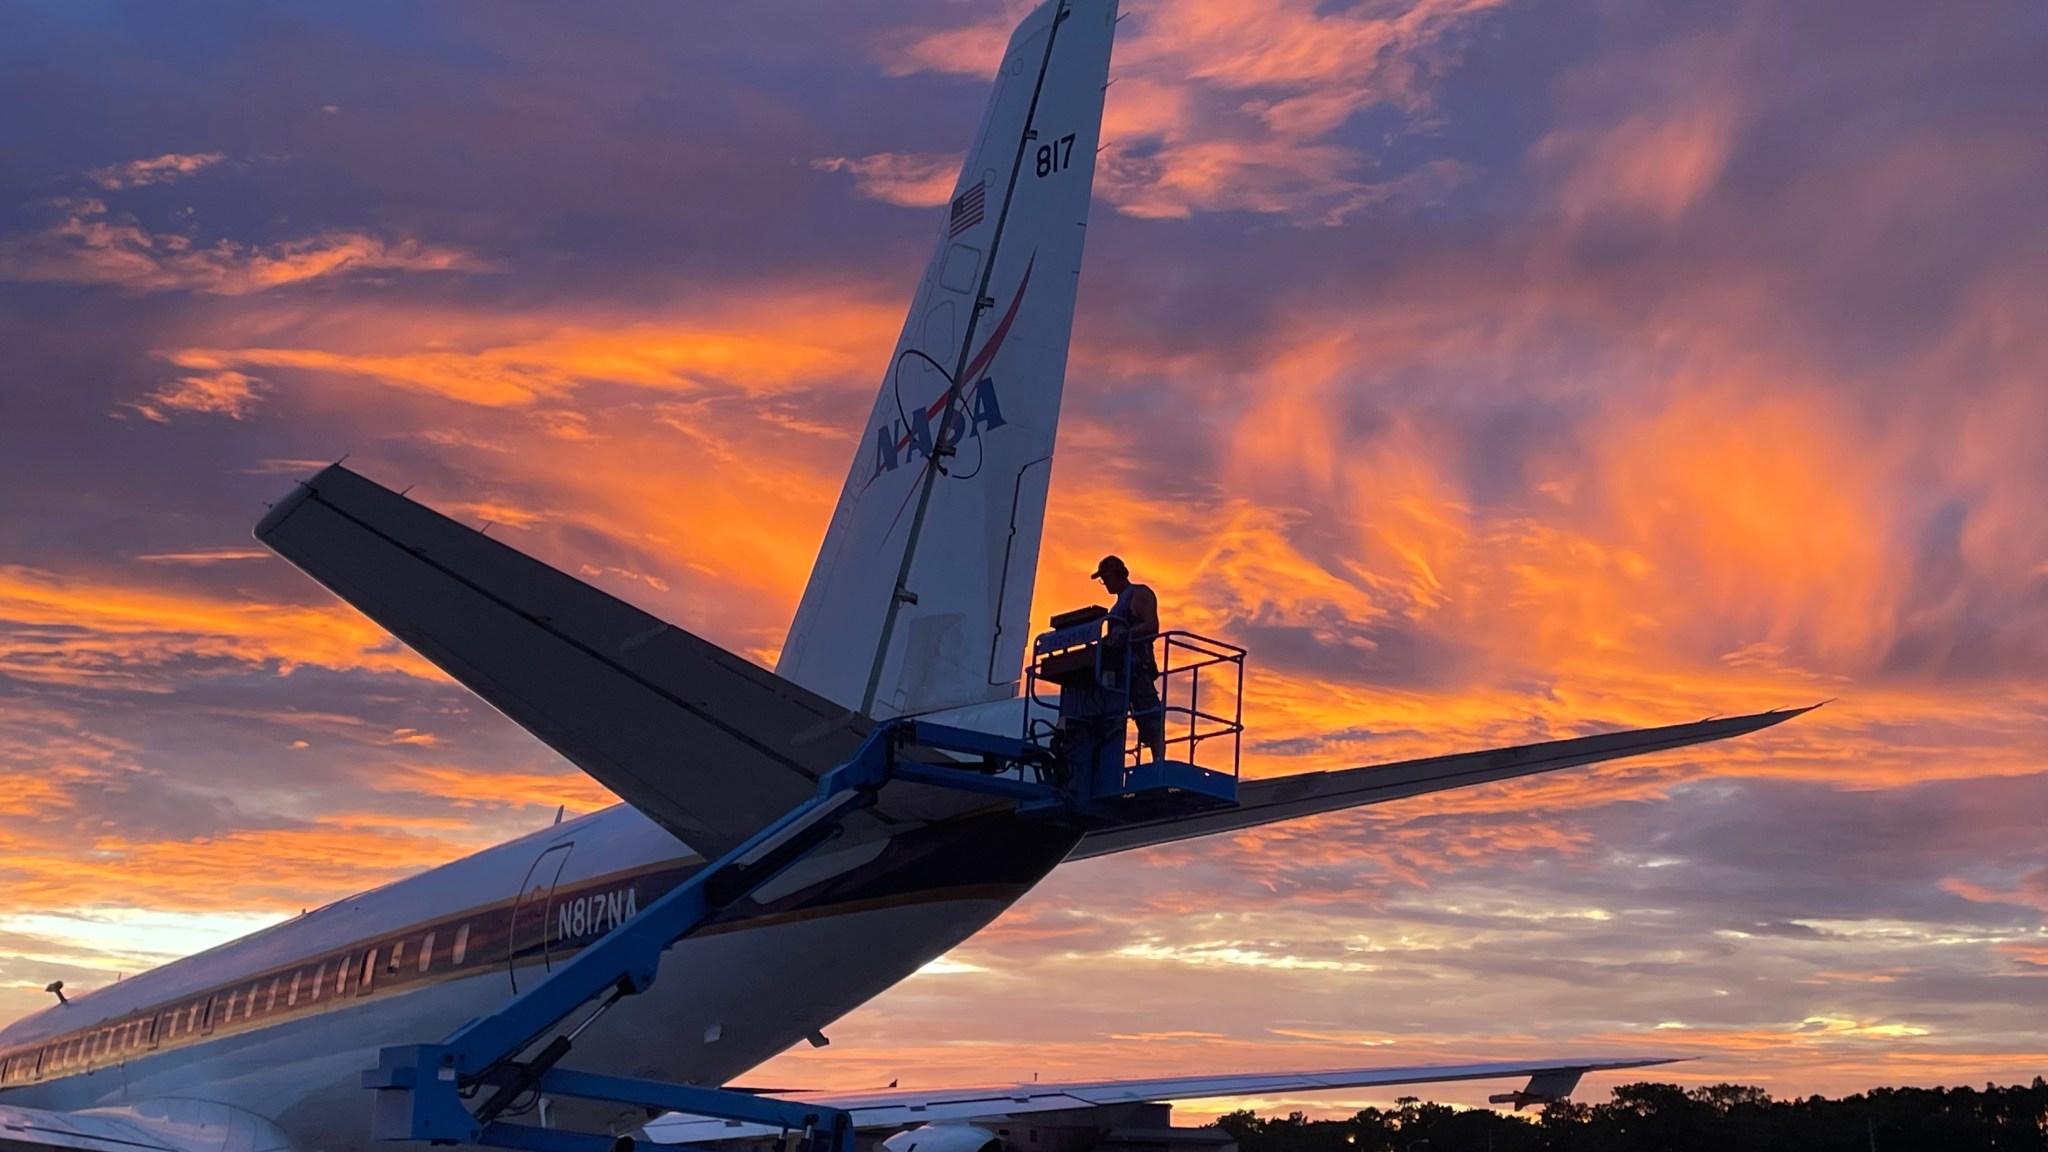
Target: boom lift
1071, 766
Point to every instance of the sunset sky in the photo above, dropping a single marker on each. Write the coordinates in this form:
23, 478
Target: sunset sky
1495, 370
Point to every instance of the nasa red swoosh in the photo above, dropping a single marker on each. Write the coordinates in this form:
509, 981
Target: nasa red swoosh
987, 354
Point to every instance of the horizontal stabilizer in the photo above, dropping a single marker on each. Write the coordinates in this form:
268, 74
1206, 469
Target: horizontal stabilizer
708, 744
901, 1107
1309, 793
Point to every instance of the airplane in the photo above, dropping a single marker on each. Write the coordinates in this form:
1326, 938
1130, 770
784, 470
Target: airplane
918, 611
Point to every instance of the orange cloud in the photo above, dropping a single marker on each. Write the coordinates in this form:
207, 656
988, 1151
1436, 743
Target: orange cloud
225, 393
154, 170
72, 629
907, 180
1221, 107
90, 245
760, 343
1658, 165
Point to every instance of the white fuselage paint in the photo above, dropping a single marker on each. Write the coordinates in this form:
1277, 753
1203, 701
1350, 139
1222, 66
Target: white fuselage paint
726, 1000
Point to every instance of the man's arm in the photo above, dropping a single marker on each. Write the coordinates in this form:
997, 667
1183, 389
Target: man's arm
1144, 610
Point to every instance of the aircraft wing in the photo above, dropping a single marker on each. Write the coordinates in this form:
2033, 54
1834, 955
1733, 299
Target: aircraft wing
710, 745
898, 1108
1306, 794
147, 1126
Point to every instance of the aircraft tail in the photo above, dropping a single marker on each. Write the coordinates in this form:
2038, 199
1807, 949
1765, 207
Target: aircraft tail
921, 596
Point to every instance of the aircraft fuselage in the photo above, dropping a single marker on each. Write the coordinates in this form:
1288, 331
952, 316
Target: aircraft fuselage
282, 1023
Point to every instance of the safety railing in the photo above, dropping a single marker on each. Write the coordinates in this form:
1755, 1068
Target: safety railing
1184, 659
1200, 689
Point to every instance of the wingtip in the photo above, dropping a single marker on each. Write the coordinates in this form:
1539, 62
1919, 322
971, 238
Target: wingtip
1776, 716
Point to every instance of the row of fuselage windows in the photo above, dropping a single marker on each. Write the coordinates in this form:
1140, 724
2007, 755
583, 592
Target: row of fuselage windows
324, 981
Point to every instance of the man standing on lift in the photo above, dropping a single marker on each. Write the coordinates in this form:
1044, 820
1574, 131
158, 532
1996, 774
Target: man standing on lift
1137, 611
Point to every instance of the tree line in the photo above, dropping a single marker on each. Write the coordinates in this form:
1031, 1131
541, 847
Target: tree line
1666, 1118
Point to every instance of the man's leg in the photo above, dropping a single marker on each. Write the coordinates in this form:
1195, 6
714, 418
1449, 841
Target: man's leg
1146, 711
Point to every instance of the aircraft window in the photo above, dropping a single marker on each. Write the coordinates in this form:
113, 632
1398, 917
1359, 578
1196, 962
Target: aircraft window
319, 978
461, 946
276, 983
369, 970
227, 1015
397, 954
147, 1036
192, 1017
291, 994
426, 951
341, 977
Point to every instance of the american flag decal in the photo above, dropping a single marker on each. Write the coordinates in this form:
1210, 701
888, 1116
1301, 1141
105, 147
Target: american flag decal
967, 209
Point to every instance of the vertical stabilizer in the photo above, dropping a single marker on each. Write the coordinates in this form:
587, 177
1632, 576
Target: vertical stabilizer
947, 488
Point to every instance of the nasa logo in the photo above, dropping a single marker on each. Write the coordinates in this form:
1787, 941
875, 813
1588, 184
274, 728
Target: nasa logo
894, 443
591, 915
979, 406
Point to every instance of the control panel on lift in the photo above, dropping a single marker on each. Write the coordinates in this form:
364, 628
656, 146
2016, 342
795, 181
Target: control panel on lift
1078, 706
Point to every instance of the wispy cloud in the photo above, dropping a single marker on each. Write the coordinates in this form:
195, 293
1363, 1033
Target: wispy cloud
76, 629
908, 180
154, 170
90, 244
204, 556
758, 343
222, 393
1220, 107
